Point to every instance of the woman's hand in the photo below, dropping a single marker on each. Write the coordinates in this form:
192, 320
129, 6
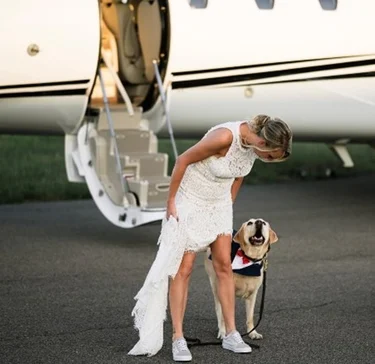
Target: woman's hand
171, 210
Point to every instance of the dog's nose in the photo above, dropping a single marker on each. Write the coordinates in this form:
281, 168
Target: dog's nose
258, 224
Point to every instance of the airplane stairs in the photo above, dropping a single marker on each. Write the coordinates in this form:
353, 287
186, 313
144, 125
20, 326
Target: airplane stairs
124, 172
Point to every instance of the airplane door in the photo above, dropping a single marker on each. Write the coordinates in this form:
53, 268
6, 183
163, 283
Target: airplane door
48, 63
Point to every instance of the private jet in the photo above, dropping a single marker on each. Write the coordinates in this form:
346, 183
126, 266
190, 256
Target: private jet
114, 76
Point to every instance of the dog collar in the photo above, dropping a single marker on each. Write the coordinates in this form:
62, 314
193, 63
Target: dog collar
245, 257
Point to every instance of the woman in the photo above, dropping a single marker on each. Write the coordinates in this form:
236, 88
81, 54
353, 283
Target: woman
204, 184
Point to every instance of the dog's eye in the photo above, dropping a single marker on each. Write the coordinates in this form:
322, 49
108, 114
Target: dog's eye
250, 223
263, 223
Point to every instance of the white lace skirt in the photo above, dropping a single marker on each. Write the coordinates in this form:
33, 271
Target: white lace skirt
199, 223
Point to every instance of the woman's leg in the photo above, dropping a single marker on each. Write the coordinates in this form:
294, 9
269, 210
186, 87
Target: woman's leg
178, 293
221, 261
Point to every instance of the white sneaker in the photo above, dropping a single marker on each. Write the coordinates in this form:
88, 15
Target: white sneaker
180, 350
233, 341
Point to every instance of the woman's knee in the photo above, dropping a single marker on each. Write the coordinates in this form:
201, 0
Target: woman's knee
223, 267
221, 257
186, 267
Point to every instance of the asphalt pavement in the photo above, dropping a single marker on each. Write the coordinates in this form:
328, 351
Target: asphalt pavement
68, 278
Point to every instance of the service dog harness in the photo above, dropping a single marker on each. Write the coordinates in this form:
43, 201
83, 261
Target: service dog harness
242, 264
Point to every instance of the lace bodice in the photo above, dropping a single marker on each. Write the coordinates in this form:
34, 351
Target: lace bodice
213, 176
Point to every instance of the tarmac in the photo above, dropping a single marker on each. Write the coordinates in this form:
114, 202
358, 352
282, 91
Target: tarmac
68, 280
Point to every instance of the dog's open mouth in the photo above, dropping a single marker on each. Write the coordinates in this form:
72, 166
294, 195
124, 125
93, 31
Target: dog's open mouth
257, 239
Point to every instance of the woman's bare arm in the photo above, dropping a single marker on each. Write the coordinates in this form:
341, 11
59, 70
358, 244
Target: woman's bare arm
213, 144
236, 187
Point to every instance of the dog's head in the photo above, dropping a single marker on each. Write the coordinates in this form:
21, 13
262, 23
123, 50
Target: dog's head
255, 237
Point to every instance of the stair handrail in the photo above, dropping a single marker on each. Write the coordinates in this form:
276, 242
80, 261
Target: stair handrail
166, 111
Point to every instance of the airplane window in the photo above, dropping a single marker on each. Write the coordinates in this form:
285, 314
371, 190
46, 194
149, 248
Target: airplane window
265, 4
328, 4
198, 4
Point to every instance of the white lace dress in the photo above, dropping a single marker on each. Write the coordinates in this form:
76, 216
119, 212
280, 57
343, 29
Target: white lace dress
205, 210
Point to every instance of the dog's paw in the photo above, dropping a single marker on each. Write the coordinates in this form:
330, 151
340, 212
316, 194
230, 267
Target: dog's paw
255, 336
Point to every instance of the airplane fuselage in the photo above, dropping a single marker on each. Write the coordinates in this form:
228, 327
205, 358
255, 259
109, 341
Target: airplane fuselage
314, 68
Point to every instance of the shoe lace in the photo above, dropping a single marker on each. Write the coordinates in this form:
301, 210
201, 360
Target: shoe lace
181, 345
237, 337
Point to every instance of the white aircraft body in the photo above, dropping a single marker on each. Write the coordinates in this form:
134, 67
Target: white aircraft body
181, 65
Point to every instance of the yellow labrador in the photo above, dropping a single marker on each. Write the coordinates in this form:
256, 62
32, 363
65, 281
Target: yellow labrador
250, 244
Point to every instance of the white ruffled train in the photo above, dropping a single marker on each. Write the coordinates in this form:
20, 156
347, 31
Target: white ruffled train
152, 299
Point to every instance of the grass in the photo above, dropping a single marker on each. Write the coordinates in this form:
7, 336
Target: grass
33, 167
309, 161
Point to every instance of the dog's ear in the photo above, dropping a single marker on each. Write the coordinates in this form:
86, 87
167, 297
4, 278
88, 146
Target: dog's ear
273, 237
238, 237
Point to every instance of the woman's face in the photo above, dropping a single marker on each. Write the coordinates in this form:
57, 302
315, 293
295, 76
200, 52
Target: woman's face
271, 155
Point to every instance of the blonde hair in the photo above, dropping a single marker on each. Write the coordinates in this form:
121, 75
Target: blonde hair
275, 132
